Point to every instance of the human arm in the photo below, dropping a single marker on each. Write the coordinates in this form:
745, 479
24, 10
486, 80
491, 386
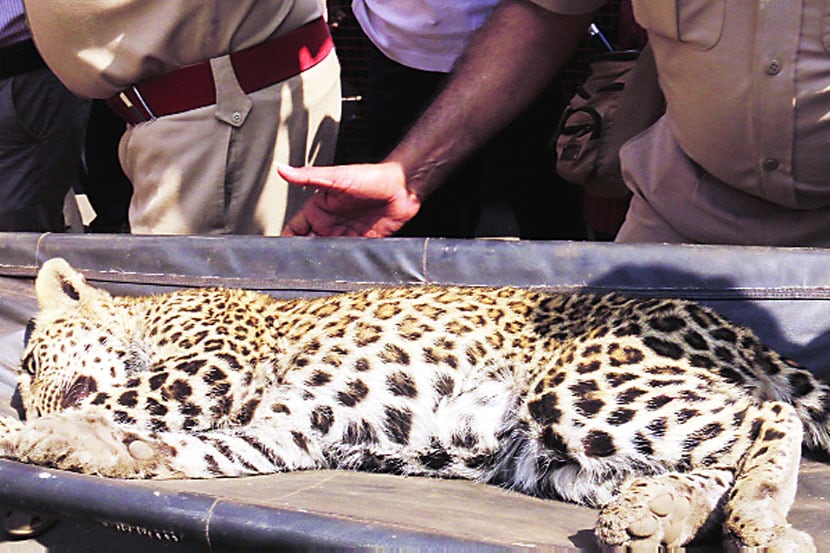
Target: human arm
505, 67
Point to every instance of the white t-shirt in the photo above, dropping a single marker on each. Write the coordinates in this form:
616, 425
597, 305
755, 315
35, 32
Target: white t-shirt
12, 22
423, 34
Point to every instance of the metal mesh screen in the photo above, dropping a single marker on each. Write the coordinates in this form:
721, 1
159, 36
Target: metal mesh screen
351, 49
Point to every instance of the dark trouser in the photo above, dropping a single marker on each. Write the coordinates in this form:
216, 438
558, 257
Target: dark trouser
102, 180
41, 134
516, 165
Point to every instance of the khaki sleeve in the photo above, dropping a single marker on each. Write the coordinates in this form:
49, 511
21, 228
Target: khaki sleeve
570, 7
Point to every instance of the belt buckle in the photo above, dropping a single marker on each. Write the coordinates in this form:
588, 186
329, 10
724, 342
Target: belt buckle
141, 110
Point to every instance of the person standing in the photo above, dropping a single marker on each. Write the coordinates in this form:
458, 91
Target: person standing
414, 45
738, 158
215, 94
41, 132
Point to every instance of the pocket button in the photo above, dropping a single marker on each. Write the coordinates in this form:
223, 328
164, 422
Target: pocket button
770, 164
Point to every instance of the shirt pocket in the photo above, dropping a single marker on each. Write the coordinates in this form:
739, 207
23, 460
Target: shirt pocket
697, 23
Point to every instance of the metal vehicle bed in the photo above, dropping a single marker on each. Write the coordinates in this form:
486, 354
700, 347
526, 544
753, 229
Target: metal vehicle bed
783, 294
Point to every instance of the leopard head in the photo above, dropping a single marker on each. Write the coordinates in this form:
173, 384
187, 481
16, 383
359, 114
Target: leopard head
79, 343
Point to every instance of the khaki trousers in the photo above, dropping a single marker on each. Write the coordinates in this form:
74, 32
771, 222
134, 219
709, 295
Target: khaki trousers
675, 200
211, 170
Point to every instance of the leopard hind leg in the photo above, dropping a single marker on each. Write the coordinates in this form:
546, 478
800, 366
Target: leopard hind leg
766, 480
751, 500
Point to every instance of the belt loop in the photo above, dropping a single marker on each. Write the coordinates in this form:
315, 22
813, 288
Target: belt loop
232, 104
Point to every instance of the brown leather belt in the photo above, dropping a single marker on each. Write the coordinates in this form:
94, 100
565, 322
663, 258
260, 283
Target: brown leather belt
257, 67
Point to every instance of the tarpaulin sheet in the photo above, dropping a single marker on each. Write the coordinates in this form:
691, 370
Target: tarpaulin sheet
783, 294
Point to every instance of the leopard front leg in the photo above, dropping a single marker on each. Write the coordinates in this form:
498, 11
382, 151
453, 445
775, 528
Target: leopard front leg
766, 481
669, 509
9, 427
90, 443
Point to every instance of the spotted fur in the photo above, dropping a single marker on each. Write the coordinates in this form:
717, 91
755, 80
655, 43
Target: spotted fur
666, 416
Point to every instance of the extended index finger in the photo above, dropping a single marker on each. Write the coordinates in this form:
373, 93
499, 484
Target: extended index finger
319, 177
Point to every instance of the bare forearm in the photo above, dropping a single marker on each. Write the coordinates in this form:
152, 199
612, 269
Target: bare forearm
507, 65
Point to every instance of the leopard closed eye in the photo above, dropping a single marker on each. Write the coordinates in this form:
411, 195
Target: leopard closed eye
672, 421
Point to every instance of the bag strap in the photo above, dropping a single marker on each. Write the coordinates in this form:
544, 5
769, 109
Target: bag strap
641, 101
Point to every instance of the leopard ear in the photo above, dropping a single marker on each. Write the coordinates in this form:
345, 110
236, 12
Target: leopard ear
58, 285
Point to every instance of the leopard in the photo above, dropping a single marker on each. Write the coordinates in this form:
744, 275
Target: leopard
674, 423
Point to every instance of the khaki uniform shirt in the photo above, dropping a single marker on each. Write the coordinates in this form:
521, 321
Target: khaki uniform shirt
741, 154
208, 170
99, 47
748, 91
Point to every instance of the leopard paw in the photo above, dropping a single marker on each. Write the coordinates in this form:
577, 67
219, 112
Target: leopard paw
790, 539
652, 511
9, 427
90, 444
768, 531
